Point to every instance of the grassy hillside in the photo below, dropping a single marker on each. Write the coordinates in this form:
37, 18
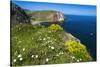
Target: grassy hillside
35, 45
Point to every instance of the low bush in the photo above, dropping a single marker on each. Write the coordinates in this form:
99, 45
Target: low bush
55, 27
78, 51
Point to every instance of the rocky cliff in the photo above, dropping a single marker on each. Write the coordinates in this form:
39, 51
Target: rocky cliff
18, 15
46, 16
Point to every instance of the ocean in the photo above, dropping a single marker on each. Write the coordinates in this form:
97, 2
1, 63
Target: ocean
83, 28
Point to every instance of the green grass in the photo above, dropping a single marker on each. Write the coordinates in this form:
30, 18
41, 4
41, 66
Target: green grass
35, 45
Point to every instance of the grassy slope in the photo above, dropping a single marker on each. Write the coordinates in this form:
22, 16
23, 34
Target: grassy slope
33, 45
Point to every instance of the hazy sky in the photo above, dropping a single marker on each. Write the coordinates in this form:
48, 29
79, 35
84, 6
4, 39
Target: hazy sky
65, 8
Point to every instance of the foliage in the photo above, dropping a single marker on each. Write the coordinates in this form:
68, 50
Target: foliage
55, 27
32, 45
78, 50
36, 45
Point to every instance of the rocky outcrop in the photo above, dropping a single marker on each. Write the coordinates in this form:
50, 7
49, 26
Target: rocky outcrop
46, 16
18, 15
59, 17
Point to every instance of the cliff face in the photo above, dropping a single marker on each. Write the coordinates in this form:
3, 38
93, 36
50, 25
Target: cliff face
60, 16
18, 15
46, 16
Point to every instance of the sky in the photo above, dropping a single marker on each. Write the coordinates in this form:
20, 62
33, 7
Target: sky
85, 2
71, 9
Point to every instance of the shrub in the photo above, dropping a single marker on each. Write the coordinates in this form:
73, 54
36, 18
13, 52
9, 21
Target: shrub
55, 27
78, 50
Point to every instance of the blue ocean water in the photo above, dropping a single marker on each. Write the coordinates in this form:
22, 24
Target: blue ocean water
84, 28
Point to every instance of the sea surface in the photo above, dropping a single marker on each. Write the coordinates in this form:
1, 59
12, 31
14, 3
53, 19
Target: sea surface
83, 28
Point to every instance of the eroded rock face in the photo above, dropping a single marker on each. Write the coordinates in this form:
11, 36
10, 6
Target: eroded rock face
18, 15
59, 17
49, 16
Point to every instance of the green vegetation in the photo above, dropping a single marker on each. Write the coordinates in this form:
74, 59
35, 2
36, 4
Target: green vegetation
77, 51
55, 28
35, 45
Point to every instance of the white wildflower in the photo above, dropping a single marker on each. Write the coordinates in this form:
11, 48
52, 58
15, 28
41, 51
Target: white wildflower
47, 59
49, 31
78, 60
23, 49
57, 55
72, 57
20, 23
48, 41
36, 56
52, 47
48, 37
44, 38
19, 41
14, 60
19, 55
40, 39
32, 56
21, 59
61, 53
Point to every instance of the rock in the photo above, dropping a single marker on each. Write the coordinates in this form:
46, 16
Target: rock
18, 15
70, 37
42, 16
